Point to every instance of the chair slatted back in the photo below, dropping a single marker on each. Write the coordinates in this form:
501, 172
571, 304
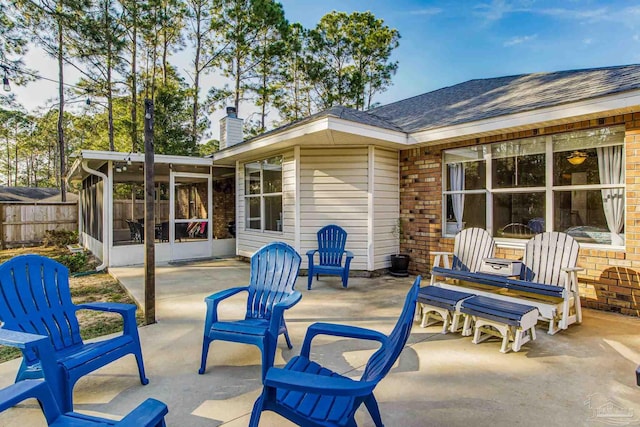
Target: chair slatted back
332, 240
382, 360
546, 254
35, 298
470, 247
274, 269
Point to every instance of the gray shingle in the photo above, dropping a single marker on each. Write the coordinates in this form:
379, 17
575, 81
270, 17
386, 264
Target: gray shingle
486, 98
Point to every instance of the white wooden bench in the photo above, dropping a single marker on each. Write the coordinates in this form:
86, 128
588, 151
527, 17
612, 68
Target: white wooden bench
548, 282
470, 247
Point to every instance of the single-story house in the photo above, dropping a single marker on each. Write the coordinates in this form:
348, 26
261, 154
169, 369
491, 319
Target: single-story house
516, 155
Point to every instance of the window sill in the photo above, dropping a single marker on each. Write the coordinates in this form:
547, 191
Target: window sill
520, 244
253, 231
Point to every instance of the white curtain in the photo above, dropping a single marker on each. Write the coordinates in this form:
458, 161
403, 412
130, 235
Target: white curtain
456, 176
610, 161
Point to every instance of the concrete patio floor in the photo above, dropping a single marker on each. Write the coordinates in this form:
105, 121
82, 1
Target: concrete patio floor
582, 376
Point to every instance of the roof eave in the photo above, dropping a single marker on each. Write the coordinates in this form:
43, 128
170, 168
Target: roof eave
620, 103
304, 134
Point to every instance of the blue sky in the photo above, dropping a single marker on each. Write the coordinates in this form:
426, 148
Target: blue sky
451, 41
445, 42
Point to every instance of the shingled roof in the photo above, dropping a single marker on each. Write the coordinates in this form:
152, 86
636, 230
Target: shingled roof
486, 98
480, 99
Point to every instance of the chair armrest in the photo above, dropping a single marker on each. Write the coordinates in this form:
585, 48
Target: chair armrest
219, 296
316, 384
34, 348
278, 309
212, 304
441, 253
23, 390
335, 330
148, 414
127, 311
21, 340
112, 307
312, 252
349, 254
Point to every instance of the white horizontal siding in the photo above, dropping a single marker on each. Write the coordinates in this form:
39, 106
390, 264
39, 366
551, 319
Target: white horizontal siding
334, 190
386, 206
249, 241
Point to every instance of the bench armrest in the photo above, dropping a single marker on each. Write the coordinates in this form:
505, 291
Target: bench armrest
335, 330
572, 269
316, 384
149, 413
438, 257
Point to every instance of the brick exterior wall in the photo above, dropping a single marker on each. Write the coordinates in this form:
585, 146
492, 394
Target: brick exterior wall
611, 279
224, 207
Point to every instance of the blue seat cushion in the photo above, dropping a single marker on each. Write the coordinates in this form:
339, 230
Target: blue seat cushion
501, 311
483, 278
440, 297
536, 288
327, 410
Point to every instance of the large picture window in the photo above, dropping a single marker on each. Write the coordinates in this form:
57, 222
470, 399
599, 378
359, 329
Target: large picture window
571, 182
263, 194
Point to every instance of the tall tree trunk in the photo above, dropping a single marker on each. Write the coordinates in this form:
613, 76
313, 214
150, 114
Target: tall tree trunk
107, 24
8, 162
61, 142
134, 79
237, 98
15, 165
165, 42
196, 77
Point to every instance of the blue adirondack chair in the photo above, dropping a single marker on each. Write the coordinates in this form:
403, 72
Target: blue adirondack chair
35, 301
309, 394
331, 242
274, 269
148, 414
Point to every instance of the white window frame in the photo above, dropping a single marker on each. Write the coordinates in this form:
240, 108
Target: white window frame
549, 189
261, 195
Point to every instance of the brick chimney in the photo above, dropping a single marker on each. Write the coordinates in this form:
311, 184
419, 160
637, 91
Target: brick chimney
230, 129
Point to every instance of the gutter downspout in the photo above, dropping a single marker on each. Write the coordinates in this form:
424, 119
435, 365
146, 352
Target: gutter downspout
105, 201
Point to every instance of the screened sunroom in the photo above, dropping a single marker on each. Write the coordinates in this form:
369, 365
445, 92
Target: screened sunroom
193, 207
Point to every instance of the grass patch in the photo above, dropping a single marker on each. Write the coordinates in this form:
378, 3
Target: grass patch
98, 287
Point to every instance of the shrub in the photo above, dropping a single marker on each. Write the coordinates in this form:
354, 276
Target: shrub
59, 238
74, 262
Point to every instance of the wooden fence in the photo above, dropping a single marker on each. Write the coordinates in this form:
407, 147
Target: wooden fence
24, 224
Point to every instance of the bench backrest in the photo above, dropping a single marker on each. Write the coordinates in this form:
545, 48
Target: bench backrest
332, 240
35, 298
274, 269
382, 360
470, 247
546, 254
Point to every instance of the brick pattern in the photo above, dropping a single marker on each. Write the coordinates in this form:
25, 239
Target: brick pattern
224, 207
611, 279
